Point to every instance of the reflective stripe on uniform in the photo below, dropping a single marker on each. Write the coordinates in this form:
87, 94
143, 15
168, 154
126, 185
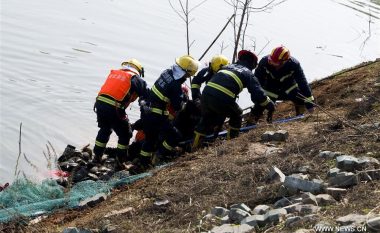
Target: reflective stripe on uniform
286, 76
235, 77
109, 101
271, 94
222, 89
159, 111
309, 99
100, 144
146, 154
291, 88
159, 94
167, 146
264, 103
195, 86
121, 146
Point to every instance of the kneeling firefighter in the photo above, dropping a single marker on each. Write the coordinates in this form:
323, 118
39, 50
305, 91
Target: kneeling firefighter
219, 96
121, 88
166, 90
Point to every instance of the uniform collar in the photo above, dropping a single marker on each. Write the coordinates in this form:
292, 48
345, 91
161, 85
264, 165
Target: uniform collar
178, 72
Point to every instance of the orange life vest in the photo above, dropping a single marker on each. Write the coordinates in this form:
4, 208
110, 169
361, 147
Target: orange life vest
118, 84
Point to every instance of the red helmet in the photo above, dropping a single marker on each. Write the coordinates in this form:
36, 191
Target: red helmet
279, 55
246, 55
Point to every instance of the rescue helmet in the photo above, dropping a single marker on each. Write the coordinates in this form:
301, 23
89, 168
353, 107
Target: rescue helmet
279, 55
188, 64
249, 56
217, 62
135, 64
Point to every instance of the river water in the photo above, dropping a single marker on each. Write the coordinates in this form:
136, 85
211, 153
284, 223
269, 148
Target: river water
55, 55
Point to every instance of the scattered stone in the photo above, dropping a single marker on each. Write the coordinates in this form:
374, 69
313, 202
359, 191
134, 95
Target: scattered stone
329, 154
267, 136
276, 174
370, 126
220, 212
336, 193
304, 169
236, 215
304, 231
325, 199
275, 216
92, 201
344, 179
307, 209
225, 219
232, 228
282, 202
241, 206
280, 135
367, 162
292, 221
303, 185
351, 219
127, 210
261, 209
254, 220
161, 202
347, 163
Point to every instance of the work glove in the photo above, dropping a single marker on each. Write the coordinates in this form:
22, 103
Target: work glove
271, 108
309, 106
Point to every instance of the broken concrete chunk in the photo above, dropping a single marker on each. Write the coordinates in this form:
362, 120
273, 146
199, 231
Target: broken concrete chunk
92, 201
344, 179
347, 163
236, 215
373, 224
337, 193
241, 206
351, 219
261, 209
303, 185
325, 199
307, 209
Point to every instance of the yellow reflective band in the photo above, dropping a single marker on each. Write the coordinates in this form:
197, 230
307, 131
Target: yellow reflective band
159, 94
309, 99
167, 146
145, 154
195, 86
269, 73
109, 101
234, 76
286, 76
100, 144
123, 147
222, 89
201, 134
197, 140
282, 54
291, 88
159, 111
271, 94
265, 102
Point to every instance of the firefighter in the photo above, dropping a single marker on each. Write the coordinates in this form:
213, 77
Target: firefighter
122, 87
205, 75
219, 96
166, 90
282, 78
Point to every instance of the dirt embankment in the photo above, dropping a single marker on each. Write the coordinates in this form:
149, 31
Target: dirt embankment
230, 172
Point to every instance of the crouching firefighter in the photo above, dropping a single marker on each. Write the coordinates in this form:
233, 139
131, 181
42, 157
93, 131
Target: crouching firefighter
219, 96
121, 88
166, 90
282, 78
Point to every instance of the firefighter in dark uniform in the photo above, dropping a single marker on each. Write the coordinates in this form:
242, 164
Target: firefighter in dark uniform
282, 78
219, 96
205, 74
121, 88
166, 90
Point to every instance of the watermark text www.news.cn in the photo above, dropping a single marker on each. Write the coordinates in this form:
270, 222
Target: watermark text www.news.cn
340, 228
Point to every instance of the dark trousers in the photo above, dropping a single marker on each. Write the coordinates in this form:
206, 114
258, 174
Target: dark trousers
214, 111
111, 118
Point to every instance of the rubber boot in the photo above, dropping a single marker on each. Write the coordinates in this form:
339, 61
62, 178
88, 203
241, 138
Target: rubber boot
198, 139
